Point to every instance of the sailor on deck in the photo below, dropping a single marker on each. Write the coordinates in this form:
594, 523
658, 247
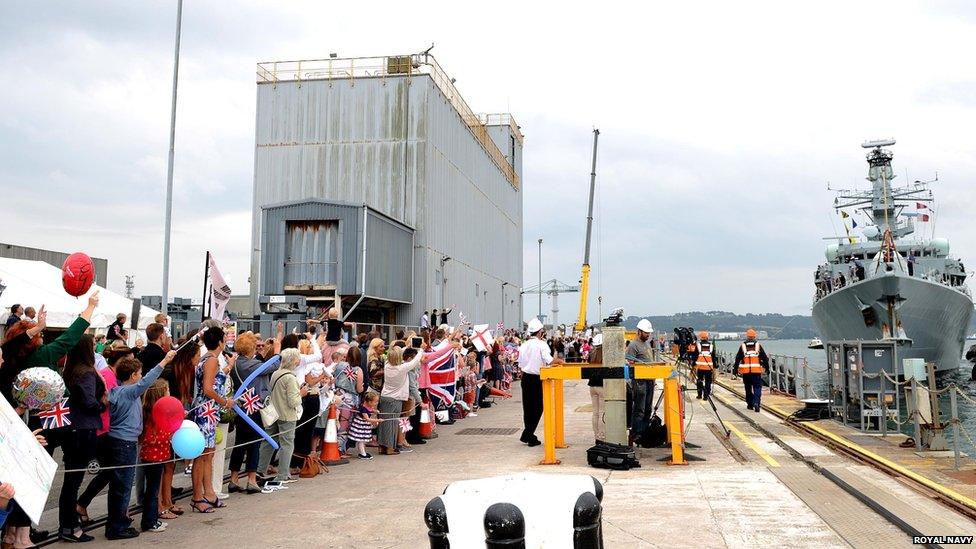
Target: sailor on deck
750, 361
704, 366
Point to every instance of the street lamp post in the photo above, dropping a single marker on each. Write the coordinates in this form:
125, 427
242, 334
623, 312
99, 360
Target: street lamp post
540, 278
169, 170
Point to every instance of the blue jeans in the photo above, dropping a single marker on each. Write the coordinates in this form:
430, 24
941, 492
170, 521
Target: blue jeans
753, 387
120, 452
152, 476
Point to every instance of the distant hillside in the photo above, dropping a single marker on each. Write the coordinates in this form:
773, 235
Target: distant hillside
776, 325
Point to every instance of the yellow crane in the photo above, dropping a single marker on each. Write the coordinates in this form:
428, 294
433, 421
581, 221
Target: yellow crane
585, 275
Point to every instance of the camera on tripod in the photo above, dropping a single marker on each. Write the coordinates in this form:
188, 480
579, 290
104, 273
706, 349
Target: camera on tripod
616, 317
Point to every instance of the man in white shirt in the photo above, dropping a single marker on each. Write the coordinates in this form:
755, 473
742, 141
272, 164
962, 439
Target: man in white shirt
424, 321
534, 354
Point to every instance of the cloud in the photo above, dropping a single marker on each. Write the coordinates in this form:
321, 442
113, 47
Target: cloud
722, 124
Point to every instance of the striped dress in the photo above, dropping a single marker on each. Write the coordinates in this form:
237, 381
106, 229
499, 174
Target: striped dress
359, 429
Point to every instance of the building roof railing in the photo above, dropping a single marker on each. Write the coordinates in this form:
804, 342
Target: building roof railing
351, 68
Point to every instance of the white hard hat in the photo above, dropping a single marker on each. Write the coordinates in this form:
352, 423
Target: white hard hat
645, 326
597, 340
534, 325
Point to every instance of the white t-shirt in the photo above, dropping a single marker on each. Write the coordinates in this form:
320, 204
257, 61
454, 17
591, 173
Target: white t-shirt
533, 355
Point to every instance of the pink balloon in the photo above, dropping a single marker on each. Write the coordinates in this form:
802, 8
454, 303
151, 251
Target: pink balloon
168, 414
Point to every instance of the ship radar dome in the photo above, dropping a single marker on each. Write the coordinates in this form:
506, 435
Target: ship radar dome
941, 245
831, 252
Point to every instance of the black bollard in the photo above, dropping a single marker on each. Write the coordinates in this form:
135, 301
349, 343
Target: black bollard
597, 488
587, 533
504, 527
435, 515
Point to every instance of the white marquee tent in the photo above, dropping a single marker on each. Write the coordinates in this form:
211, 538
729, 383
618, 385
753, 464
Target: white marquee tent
35, 283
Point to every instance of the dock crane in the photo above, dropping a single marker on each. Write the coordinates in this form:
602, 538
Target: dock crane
585, 275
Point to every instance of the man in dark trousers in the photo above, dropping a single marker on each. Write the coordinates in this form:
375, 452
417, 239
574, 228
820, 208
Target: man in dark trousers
750, 362
639, 351
533, 356
153, 353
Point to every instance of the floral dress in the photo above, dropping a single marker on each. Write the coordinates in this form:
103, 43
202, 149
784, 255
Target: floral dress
202, 405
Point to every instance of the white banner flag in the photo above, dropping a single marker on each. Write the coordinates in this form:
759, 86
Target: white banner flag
219, 291
482, 338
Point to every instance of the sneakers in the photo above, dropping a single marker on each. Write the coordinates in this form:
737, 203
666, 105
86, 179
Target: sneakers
472, 414
404, 450
128, 533
367, 455
289, 480
273, 486
160, 526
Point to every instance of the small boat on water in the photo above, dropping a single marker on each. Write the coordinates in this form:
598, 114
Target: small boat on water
815, 343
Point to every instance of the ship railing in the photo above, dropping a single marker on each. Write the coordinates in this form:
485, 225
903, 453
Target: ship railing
351, 68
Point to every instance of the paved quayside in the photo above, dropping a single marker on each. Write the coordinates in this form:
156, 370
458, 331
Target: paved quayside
768, 499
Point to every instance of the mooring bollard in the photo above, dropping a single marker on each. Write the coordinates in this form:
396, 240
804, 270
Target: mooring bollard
504, 527
435, 516
587, 533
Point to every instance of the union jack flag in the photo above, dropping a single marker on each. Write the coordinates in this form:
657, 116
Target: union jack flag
500, 326
443, 378
252, 402
56, 416
463, 319
208, 411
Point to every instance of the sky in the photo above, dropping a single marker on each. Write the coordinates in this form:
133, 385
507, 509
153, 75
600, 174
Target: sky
722, 124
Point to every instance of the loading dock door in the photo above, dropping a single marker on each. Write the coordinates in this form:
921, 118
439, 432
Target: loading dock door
312, 254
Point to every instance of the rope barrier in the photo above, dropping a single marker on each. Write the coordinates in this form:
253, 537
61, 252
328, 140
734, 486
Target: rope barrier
96, 470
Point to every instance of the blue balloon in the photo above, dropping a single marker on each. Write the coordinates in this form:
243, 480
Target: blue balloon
188, 443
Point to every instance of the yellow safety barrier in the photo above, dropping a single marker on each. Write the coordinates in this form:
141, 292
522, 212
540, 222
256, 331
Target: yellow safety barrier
552, 406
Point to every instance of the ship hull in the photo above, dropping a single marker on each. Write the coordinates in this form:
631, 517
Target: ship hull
934, 316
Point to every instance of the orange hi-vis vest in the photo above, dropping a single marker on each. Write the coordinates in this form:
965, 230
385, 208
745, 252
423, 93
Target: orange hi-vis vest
704, 361
750, 359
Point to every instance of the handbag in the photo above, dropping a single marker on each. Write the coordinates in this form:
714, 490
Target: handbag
269, 414
311, 467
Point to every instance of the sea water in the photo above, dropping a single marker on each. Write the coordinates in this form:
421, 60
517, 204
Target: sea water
817, 363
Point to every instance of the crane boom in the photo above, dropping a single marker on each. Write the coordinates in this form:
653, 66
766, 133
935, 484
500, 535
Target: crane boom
585, 275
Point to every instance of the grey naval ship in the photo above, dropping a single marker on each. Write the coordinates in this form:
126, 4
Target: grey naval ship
889, 283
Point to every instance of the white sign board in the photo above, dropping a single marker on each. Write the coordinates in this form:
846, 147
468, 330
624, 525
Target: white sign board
24, 463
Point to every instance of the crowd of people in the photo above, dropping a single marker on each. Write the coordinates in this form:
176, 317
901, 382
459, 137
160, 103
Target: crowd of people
380, 391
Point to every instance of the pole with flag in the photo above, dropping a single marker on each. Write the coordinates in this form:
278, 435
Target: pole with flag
843, 217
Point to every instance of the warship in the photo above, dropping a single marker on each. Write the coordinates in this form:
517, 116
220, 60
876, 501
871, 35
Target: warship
889, 283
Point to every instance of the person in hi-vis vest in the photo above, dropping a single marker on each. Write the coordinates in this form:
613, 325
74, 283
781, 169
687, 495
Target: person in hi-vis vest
704, 366
750, 362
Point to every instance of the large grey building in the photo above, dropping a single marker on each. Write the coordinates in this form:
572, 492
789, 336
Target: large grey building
377, 185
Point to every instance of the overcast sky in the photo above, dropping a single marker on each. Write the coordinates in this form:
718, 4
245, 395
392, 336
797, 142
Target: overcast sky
722, 123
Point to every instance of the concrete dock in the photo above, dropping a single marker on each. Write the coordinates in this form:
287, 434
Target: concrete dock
751, 491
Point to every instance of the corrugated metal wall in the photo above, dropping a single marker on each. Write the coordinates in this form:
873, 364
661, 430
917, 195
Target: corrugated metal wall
476, 219
397, 145
389, 259
312, 253
12, 251
348, 220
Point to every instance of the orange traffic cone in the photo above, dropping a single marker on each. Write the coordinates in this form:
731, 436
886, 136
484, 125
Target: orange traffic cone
330, 445
499, 392
426, 425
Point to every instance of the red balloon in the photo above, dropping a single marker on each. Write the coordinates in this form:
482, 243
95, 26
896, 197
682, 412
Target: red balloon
77, 274
168, 414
